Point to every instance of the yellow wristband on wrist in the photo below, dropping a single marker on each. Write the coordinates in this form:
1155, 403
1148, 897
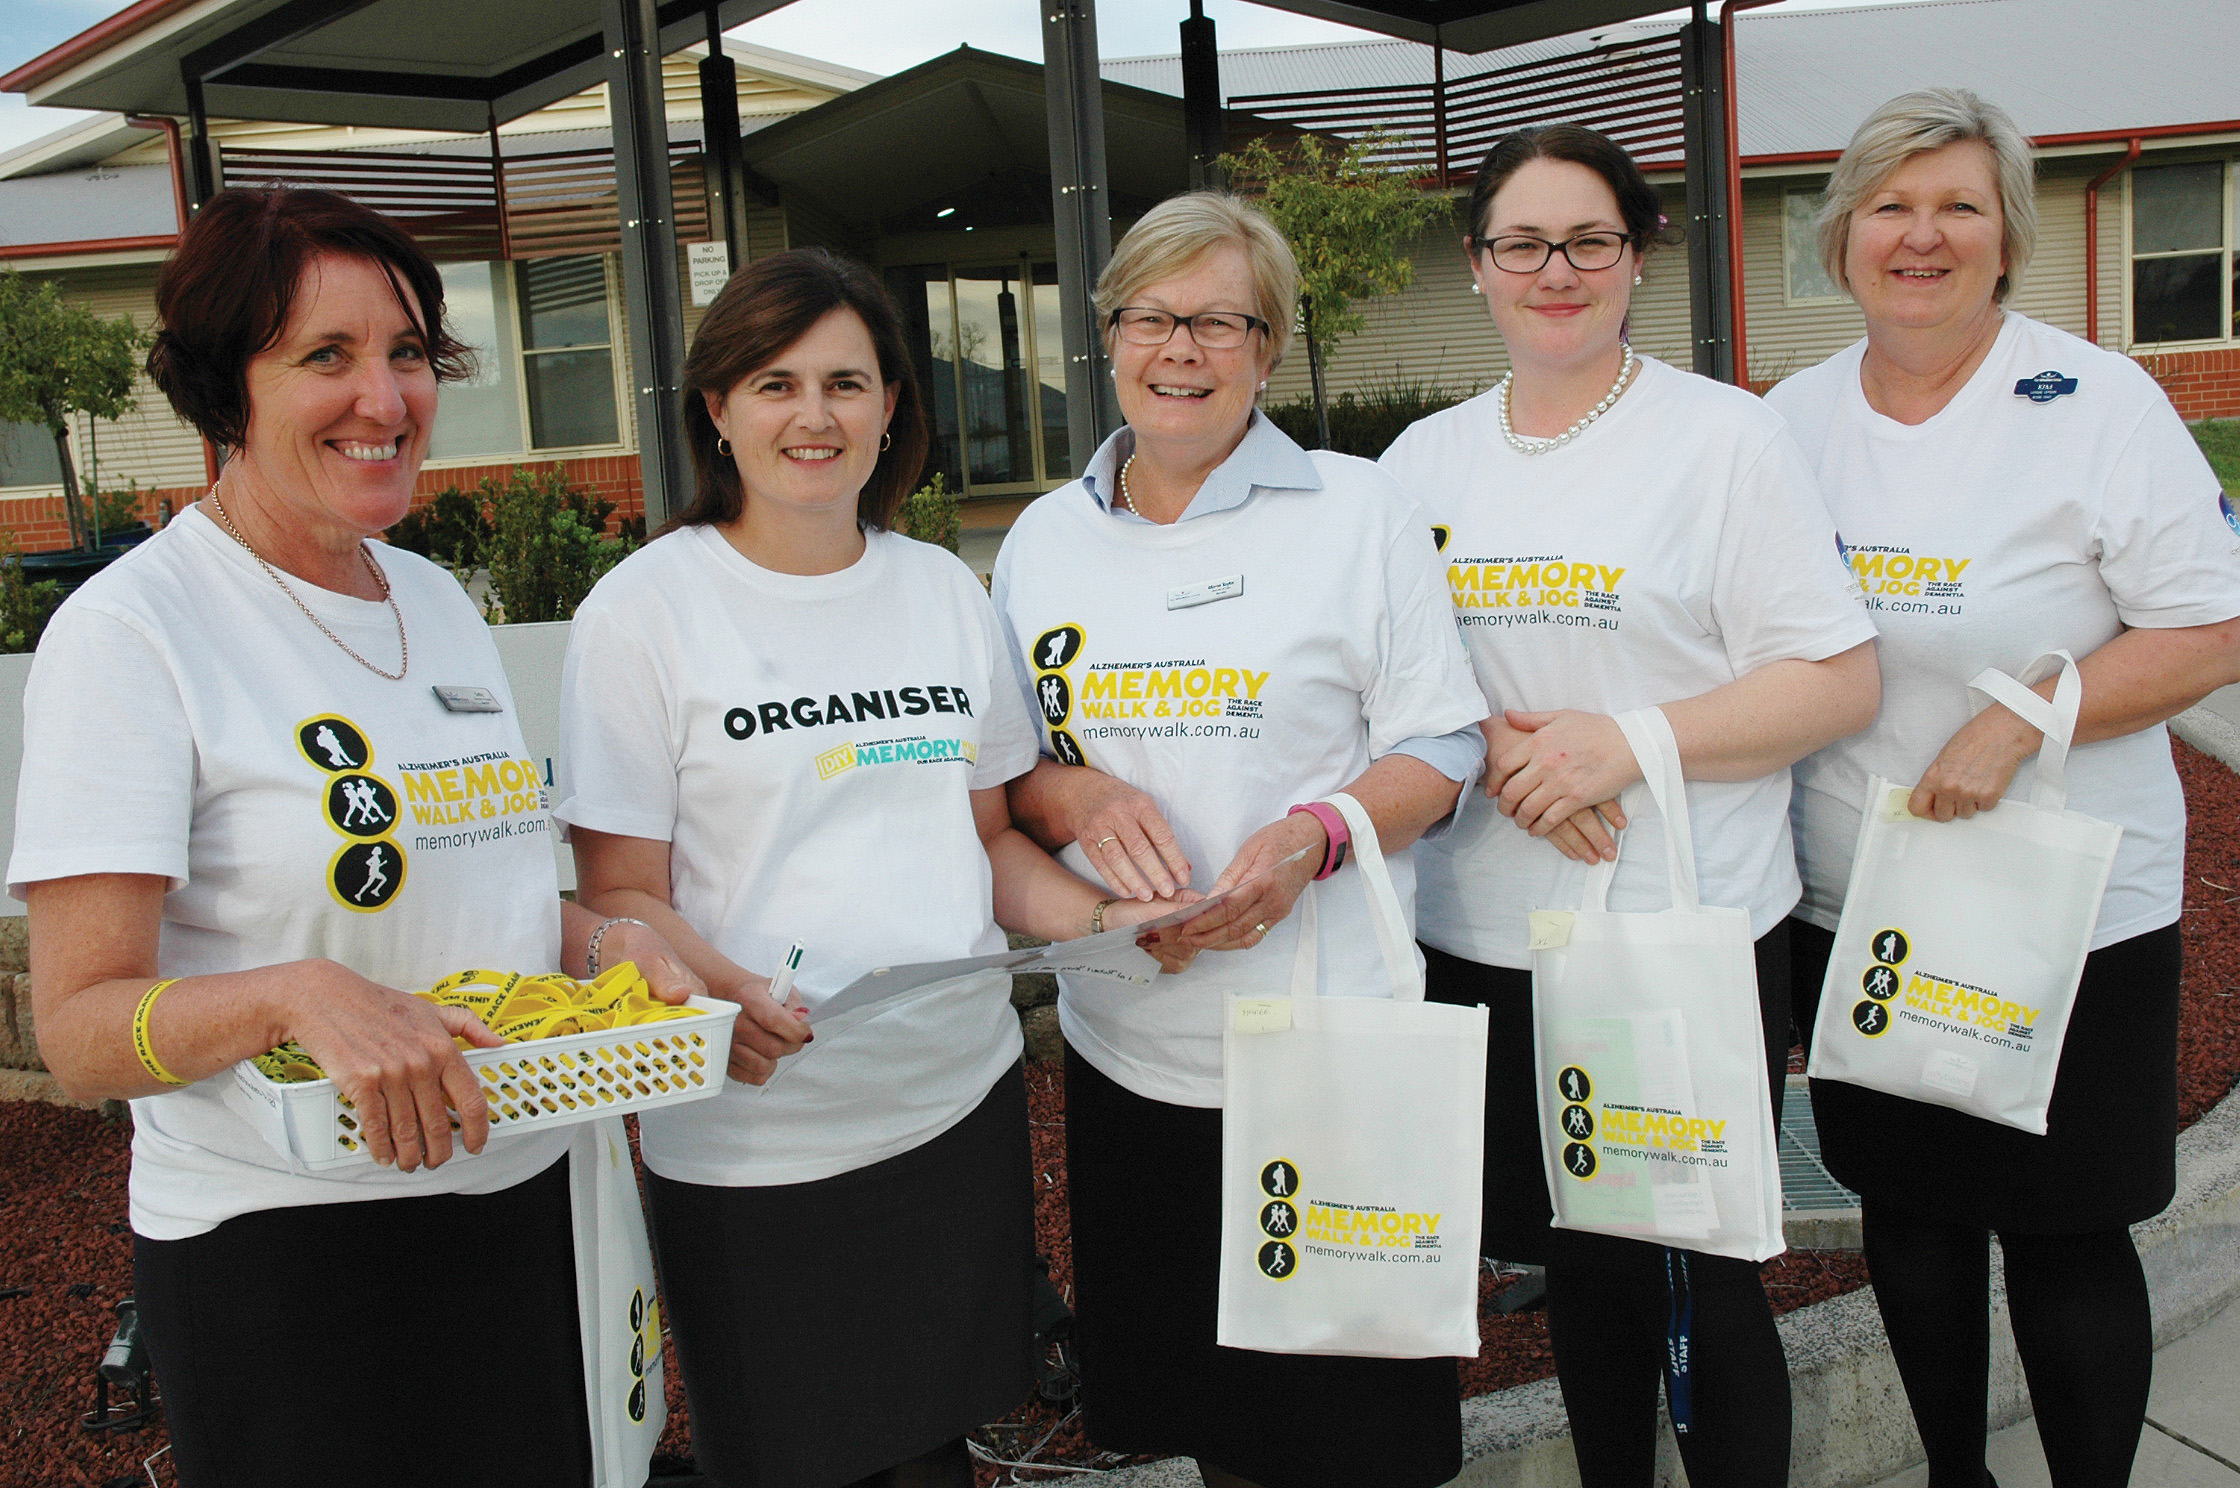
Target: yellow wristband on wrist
142, 1045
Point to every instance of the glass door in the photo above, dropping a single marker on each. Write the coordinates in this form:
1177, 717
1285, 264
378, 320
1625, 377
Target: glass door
986, 344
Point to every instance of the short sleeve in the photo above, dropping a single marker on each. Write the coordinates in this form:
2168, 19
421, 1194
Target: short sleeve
2169, 552
1008, 742
1423, 687
107, 783
1780, 589
1014, 646
618, 750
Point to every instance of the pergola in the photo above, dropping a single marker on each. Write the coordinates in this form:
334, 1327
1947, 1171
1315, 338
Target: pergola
442, 65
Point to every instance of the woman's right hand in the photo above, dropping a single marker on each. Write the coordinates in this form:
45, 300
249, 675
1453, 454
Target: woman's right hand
391, 1055
766, 1030
1126, 839
1588, 835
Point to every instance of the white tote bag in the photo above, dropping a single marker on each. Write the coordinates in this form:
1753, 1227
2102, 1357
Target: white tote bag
616, 1306
1957, 958
1656, 1122
1352, 1152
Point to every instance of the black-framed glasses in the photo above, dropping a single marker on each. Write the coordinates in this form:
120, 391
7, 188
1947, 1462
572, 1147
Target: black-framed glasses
1214, 330
1517, 253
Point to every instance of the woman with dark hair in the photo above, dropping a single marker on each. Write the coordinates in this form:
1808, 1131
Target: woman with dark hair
783, 722
265, 672
1677, 557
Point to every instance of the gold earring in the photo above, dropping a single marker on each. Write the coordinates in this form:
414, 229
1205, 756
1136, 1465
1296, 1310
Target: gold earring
723, 446
886, 442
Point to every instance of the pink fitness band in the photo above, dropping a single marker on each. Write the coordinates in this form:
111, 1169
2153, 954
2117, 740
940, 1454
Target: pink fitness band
1334, 826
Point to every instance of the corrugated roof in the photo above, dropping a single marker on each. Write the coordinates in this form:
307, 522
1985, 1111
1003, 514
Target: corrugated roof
1807, 77
83, 206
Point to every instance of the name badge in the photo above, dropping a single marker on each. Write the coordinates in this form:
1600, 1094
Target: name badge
2045, 387
1205, 592
468, 699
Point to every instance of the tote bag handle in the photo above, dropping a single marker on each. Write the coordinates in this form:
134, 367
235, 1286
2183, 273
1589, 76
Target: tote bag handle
2056, 720
1649, 732
1385, 914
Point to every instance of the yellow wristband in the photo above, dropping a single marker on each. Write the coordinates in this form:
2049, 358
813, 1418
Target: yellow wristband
142, 1045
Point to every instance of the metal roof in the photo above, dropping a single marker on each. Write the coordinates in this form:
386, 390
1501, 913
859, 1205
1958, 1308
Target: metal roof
84, 206
1807, 77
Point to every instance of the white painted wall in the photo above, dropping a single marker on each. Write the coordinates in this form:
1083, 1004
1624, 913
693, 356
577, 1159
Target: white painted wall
531, 655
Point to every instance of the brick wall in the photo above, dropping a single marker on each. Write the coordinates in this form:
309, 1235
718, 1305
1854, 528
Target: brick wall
2203, 384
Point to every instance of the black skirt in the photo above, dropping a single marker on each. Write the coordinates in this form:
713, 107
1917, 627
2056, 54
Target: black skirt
422, 1340
1518, 1210
2109, 1154
831, 1329
1145, 1180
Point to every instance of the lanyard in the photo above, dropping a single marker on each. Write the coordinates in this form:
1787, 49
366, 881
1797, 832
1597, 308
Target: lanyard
1680, 1321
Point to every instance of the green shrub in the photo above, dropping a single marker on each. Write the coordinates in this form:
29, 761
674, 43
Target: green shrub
1365, 421
450, 530
930, 514
546, 544
2220, 441
25, 604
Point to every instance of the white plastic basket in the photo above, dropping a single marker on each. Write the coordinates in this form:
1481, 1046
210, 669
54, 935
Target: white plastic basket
531, 1086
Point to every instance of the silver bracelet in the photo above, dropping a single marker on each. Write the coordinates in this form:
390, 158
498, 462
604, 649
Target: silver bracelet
591, 955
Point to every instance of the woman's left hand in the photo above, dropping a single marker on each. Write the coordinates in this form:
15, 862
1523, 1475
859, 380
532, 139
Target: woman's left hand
1566, 762
664, 970
1975, 767
1244, 921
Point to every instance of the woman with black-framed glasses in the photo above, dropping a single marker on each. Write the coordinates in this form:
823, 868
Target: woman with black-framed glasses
1217, 626
1622, 535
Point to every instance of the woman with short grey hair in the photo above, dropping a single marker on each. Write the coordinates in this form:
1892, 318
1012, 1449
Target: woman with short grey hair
2002, 489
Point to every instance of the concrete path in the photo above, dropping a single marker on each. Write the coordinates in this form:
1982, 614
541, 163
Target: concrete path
2192, 1438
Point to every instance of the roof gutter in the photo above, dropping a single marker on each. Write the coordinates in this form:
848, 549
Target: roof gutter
88, 246
125, 24
2039, 142
1738, 330
2092, 238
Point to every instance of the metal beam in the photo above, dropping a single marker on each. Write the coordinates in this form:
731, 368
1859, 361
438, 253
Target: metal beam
1710, 278
1204, 126
649, 251
290, 22
719, 126
1082, 206
202, 153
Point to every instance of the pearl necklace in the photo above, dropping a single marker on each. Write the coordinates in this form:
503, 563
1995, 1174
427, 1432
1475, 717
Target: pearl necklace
1531, 444
404, 646
1126, 503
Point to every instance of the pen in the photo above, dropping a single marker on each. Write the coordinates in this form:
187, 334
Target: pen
782, 984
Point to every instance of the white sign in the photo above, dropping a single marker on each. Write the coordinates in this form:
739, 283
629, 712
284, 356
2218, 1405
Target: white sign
710, 264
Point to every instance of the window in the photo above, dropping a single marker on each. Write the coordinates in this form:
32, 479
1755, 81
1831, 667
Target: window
1803, 278
543, 338
2181, 252
27, 456
987, 346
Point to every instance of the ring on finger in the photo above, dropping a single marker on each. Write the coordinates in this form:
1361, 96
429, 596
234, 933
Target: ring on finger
1101, 841
1260, 929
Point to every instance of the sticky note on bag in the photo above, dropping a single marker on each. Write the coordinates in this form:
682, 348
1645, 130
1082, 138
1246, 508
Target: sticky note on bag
1551, 929
1260, 1014
1894, 804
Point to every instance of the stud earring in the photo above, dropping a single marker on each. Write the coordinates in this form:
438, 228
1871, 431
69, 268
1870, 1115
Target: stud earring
1474, 287
1637, 278
723, 446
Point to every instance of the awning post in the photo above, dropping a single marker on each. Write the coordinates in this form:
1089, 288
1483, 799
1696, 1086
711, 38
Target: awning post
202, 158
1710, 278
649, 251
1203, 127
726, 161
1081, 204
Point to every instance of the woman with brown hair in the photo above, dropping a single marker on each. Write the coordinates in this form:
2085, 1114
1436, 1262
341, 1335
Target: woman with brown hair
219, 732
783, 722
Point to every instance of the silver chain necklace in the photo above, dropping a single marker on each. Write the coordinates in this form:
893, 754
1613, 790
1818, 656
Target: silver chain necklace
404, 646
1531, 444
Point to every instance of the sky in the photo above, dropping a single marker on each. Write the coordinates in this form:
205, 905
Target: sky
882, 36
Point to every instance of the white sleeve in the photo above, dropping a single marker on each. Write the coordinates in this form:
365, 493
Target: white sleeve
1780, 590
107, 784
1014, 644
1423, 686
2168, 552
1009, 739
618, 746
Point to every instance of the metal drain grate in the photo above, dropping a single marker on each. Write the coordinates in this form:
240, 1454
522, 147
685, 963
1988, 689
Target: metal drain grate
1818, 1213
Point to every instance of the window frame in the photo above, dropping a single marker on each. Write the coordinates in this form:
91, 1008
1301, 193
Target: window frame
2229, 182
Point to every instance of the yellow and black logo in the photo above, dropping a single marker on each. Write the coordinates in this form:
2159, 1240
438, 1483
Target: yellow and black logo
1441, 535
333, 743
1279, 1180
1578, 1123
1870, 1018
360, 805
1054, 696
1879, 982
1055, 649
365, 876
1575, 1085
1891, 946
1278, 1219
1277, 1261
1579, 1160
367, 872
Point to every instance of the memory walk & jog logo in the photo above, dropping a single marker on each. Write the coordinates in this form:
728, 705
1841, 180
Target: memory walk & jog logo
1292, 1226
1942, 1003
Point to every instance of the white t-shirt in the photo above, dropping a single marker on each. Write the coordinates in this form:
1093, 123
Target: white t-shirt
2026, 516
1335, 647
184, 719
1677, 544
808, 746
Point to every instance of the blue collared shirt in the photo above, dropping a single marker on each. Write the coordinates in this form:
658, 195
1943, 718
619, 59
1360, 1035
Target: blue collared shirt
1267, 459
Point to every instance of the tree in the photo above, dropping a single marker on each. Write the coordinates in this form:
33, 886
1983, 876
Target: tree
1348, 220
56, 359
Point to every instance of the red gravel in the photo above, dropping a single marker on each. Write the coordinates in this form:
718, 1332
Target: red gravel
62, 1205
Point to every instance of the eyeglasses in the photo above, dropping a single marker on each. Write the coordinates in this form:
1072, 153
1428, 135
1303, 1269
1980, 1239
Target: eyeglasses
1216, 330
1518, 254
